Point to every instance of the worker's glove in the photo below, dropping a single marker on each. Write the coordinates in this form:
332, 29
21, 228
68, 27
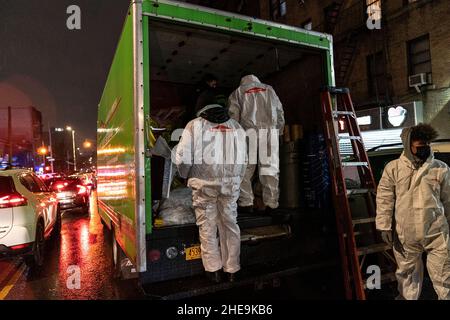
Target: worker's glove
387, 237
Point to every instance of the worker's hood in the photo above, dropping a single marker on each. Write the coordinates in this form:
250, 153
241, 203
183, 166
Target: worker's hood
406, 140
249, 79
214, 113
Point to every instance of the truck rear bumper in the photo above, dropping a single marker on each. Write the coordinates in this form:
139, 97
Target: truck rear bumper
199, 285
254, 250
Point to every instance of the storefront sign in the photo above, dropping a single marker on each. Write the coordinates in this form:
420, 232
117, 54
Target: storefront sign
390, 117
402, 115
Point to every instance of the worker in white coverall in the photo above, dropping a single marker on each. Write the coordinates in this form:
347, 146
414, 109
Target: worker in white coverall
413, 200
212, 155
258, 109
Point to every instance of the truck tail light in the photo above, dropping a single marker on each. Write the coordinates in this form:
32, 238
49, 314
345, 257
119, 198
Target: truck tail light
154, 255
12, 200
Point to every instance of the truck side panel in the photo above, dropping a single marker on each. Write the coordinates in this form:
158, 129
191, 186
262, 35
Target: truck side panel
116, 146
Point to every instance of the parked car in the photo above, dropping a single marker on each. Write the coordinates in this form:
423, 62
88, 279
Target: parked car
29, 215
72, 193
381, 155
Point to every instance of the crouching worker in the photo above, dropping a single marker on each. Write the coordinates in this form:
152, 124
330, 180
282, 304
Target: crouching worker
212, 155
413, 212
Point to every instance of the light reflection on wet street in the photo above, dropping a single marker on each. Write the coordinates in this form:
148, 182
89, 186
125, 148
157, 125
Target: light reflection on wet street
83, 247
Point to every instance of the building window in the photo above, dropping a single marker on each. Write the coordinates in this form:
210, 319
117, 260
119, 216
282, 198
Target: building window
307, 24
419, 56
277, 9
376, 70
374, 8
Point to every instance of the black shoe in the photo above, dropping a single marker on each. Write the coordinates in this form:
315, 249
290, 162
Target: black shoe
232, 277
248, 209
214, 276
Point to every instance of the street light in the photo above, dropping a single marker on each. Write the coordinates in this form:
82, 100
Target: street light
43, 151
69, 128
87, 144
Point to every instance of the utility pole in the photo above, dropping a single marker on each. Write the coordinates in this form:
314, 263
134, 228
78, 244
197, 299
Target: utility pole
50, 146
10, 136
74, 152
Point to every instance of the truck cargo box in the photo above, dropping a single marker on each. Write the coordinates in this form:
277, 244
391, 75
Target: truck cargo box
164, 51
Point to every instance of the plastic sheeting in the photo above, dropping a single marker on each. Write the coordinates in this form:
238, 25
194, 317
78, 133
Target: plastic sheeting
177, 209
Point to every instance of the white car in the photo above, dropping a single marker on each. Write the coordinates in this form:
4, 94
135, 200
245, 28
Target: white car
29, 215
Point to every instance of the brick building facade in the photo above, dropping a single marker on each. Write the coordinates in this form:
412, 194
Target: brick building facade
375, 64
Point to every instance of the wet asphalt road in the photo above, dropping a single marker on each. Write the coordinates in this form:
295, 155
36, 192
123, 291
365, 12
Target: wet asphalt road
83, 248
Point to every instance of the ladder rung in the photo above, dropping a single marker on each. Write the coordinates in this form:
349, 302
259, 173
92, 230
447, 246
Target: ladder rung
357, 191
335, 90
344, 113
357, 234
350, 138
354, 164
363, 220
374, 248
388, 277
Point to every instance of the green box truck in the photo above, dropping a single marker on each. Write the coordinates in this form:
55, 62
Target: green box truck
164, 50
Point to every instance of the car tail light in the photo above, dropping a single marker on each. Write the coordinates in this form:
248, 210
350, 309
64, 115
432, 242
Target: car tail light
21, 246
81, 189
13, 200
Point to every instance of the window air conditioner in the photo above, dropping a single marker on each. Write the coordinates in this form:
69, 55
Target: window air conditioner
417, 80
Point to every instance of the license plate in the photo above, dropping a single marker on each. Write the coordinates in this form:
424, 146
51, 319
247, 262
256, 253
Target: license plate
193, 253
65, 195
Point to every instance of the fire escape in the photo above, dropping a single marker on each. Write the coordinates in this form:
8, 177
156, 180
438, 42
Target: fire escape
346, 20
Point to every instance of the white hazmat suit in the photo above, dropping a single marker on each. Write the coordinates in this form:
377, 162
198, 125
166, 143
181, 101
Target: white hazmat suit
213, 157
256, 106
417, 198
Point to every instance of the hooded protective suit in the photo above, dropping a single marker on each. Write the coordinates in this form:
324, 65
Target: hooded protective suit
417, 198
213, 157
256, 106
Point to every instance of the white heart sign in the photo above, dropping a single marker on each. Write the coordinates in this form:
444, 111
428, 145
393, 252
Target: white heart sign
397, 116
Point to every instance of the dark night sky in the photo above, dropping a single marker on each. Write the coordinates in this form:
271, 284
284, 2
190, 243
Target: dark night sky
72, 66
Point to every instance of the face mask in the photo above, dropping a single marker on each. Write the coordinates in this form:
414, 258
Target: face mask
423, 152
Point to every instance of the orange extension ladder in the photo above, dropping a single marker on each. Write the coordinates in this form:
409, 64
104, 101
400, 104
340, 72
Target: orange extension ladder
355, 207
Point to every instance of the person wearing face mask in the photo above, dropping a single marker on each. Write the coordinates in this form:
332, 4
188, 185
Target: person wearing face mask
413, 212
